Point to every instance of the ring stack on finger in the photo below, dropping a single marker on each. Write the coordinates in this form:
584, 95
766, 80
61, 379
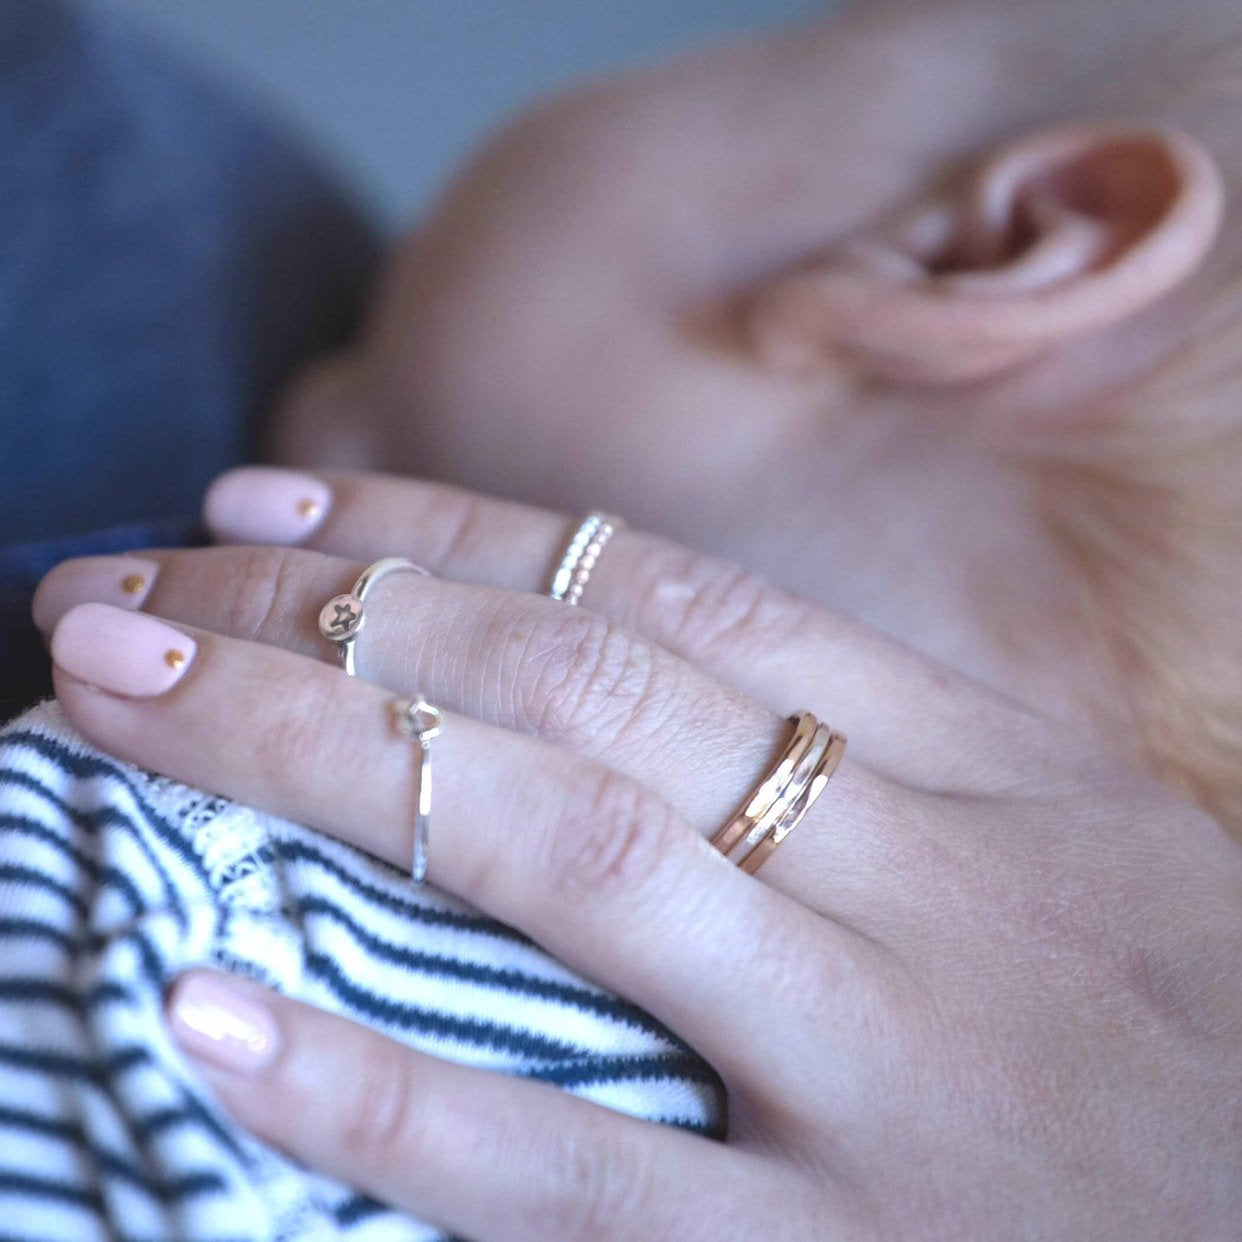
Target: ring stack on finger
583, 550
777, 805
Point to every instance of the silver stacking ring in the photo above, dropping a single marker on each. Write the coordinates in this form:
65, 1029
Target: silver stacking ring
581, 554
419, 722
341, 619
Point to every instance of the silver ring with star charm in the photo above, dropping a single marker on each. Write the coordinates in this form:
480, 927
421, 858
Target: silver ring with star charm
341, 619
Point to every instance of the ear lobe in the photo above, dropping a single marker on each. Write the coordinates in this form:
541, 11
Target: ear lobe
1062, 233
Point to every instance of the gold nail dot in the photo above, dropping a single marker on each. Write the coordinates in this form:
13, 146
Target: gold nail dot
309, 509
174, 659
133, 584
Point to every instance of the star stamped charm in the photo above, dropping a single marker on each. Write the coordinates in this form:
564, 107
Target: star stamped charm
341, 618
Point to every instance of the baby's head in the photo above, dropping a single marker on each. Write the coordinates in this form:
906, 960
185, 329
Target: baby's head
907, 311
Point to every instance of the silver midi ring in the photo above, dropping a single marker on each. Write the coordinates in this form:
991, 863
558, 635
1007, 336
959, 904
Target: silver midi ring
419, 722
341, 619
583, 550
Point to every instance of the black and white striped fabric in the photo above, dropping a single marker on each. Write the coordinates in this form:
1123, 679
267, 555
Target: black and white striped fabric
113, 880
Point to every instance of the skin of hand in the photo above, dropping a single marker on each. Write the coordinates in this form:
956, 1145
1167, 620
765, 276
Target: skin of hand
986, 990
825, 305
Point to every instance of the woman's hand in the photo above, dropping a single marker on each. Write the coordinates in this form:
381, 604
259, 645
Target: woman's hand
988, 989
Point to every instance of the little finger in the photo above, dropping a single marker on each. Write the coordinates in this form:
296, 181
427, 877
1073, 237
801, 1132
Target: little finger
478, 1154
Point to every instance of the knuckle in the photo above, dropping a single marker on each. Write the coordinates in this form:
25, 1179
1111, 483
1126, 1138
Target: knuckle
590, 1189
291, 733
716, 611
267, 594
465, 527
584, 678
1177, 969
378, 1125
613, 844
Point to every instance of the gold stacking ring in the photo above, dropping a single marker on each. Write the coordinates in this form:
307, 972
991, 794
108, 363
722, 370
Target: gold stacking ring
778, 803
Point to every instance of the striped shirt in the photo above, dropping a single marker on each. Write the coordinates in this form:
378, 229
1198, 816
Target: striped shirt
113, 880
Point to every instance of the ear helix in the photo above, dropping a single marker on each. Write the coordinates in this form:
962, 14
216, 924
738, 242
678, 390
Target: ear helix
1058, 234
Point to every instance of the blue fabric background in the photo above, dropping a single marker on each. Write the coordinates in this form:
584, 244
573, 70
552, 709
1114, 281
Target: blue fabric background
165, 262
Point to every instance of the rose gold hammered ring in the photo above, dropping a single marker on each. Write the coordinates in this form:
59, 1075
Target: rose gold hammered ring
778, 803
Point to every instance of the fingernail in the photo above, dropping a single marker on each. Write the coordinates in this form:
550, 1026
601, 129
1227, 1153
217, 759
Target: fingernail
125, 581
214, 1023
261, 504
122, 652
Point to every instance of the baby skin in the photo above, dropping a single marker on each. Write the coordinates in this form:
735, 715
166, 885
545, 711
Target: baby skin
929, 313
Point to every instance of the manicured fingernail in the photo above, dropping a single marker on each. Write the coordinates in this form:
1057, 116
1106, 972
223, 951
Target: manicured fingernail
125, 581
122, 652
215, 1023
261, 504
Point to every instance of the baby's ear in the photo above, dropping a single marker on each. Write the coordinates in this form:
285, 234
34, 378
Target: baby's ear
1061, 233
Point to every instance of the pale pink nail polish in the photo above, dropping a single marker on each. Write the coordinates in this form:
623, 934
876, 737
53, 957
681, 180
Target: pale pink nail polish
124, 581
215, 1023
261, 504
122, 652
